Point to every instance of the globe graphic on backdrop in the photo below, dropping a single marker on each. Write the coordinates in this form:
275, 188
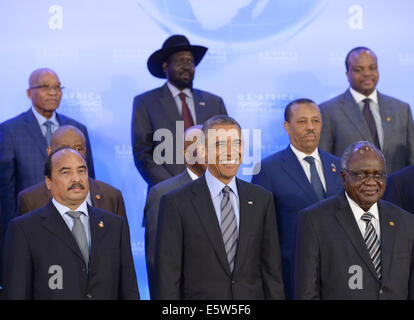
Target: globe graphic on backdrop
233, 21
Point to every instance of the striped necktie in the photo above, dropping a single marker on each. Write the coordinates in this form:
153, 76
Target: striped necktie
372, 242
228, 227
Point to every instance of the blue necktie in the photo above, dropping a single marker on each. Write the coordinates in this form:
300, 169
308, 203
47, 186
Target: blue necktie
315, 179
48, 134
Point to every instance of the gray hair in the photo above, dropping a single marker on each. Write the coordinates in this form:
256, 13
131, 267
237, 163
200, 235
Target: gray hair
356, 146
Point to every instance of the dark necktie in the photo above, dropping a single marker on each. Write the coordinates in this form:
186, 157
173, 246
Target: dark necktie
185, 112
369, 118
316, 182
228, 227
372, 242
48, 134
79, 233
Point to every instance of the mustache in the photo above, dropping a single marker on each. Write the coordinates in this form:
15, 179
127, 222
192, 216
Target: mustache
76, 185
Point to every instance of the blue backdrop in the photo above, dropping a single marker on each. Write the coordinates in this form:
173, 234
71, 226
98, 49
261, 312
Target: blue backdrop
262, 54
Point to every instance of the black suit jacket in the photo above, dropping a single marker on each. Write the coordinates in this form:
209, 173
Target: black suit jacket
330, 243
156, 109
103, 196
150, 221
399, 189
190, 258
41, 239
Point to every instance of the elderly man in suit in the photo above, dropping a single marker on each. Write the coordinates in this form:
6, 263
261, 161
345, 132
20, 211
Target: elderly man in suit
355, 245
101, 195
363, 113
68, 249
168, 107
24, 139
195, 167
217, 236
298, 177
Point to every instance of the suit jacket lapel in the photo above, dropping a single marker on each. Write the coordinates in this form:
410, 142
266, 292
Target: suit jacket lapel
347, 220
330, 172
387, 114
200, 106
35, 132
204, 208
352, 111
98, 230
294, 169
388, 233
54, 223
170, 107
246, 215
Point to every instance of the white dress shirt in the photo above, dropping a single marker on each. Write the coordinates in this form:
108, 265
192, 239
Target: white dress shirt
358, 212
306, 165
41, 121
375, 110
189, 99
193, 176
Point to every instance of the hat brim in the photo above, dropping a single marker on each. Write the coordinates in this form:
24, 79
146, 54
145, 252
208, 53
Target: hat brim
155, 61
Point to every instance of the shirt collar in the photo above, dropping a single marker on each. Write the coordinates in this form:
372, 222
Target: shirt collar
193, 176
359, 97
301, 155
63, 209
358, 211
175, 91
41, 119
216, 186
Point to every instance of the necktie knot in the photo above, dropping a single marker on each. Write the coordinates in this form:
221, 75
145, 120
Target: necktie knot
366, 101
310, 160
367, 217
74, 214
182, 96
226, 190
48, 124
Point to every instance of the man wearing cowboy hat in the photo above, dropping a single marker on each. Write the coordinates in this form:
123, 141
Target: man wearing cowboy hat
162, 107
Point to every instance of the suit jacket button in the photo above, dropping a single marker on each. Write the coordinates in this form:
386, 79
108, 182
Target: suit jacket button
381, 292
89, 296
233, 282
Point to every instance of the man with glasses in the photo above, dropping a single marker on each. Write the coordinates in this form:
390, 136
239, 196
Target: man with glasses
355, 245
25, 138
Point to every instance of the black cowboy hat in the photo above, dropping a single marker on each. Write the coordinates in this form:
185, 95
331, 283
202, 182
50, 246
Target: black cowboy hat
173, 44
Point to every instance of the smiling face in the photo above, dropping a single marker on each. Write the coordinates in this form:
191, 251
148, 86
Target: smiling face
179, 69
304, 126
68, 181
363, 72
225, 151
365, 192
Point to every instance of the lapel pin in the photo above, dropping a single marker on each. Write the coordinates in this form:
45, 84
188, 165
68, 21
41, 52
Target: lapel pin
202, 103
101, 224
333, 166
250, 202
98, 197
391, 223
388, 119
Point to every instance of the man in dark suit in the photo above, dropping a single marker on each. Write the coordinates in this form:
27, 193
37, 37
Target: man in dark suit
363, 113
168, 107
399, 189
195, 167
298, 177
101, 195
68, 249
217, 236
355, 245
24, 139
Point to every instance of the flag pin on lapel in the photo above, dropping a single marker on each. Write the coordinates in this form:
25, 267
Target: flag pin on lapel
98, 197
388, 119
333, 166
101, 224
391, 223
202, 103
250, 202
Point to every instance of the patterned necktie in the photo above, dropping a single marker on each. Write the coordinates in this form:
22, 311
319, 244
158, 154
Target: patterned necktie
185, 111
372, 242
48, 134
369, 118
228, 227
316, 182
79, 233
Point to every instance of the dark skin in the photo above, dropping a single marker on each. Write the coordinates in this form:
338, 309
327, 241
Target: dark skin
368, 191
179, 69
363, 72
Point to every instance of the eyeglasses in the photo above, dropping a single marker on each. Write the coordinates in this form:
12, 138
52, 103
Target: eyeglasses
46, 88
362, 176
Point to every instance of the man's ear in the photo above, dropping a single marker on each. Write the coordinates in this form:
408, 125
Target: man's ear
164, 67
29, 93
287, 126
48, 183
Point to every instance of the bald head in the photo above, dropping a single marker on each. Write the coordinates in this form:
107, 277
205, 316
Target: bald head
68, 136
193, 154
37, 75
